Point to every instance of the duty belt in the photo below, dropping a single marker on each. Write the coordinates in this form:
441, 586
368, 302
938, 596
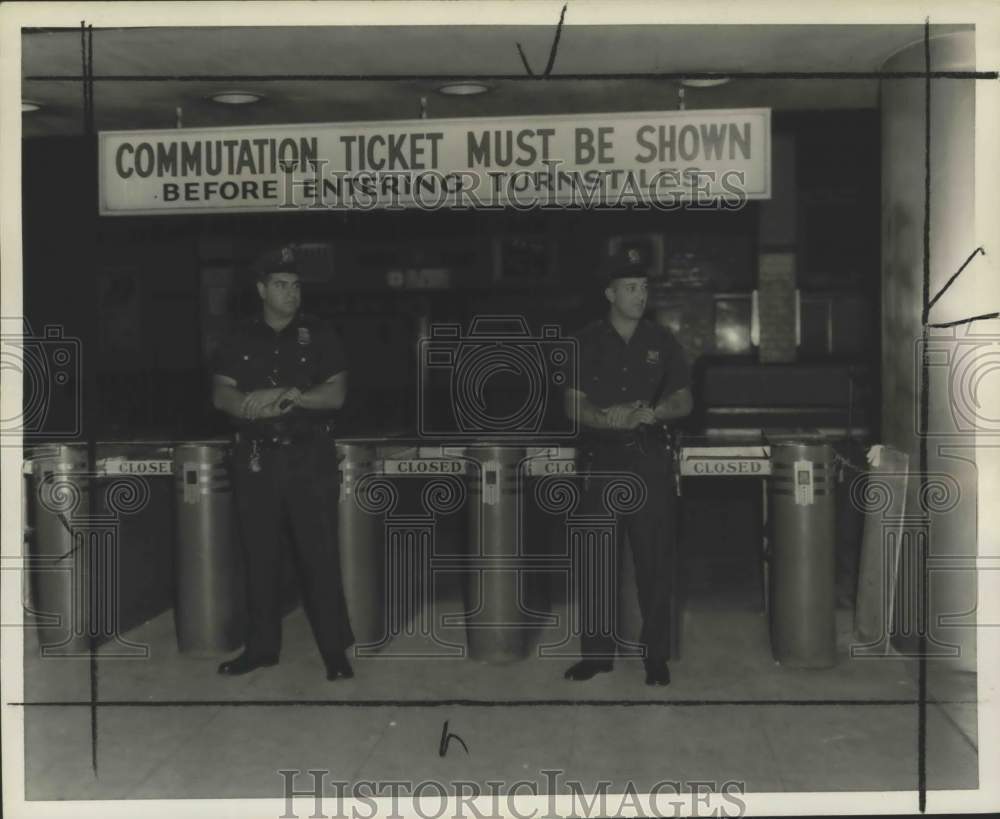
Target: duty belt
278, 439
648, 439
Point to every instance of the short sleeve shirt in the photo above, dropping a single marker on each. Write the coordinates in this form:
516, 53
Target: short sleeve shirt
615, 371
305, 353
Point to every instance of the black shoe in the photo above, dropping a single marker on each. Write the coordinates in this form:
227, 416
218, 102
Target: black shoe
586, 669
244, 664
340, 667
657, 672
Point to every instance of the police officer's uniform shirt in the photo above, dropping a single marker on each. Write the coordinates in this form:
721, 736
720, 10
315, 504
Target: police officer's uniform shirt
305, 353
615, 371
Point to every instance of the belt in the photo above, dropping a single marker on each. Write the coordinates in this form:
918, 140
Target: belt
281, 439
646, 440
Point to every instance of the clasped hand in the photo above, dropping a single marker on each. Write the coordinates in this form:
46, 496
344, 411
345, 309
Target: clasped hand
630, 416
270, 403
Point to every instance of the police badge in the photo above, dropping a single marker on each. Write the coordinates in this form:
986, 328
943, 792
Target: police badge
304, 338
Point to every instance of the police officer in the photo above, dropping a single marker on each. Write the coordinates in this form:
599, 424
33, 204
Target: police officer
634, 381
280, 376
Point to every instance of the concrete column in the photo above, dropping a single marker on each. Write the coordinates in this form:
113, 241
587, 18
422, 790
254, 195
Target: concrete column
951, 501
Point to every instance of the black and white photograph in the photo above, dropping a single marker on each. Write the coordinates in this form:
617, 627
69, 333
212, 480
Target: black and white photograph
499, 409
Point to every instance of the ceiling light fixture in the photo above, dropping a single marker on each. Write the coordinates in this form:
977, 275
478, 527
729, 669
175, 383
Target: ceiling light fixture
236, 97
463, 89
27, 106
705, 82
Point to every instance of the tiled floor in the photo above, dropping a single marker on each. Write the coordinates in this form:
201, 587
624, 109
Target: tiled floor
725, 717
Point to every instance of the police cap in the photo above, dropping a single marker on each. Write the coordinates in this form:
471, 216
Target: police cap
629, 261
278, 260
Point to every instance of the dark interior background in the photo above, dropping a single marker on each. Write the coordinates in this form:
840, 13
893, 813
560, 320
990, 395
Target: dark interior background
169, 286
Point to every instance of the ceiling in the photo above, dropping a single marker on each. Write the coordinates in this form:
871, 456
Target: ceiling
218, 55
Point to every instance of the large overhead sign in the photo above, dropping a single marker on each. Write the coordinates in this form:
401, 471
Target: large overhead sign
660, 159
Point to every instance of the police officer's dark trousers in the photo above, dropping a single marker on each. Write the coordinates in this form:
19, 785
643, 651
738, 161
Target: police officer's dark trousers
299, 480
651, 533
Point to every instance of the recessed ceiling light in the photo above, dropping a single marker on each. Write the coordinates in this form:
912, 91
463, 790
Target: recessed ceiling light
705, 82
463, 89
29, 105
236, 97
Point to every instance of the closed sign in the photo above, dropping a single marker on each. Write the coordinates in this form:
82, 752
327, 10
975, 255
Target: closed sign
726, 466
424, 466
139, 467
561, 466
